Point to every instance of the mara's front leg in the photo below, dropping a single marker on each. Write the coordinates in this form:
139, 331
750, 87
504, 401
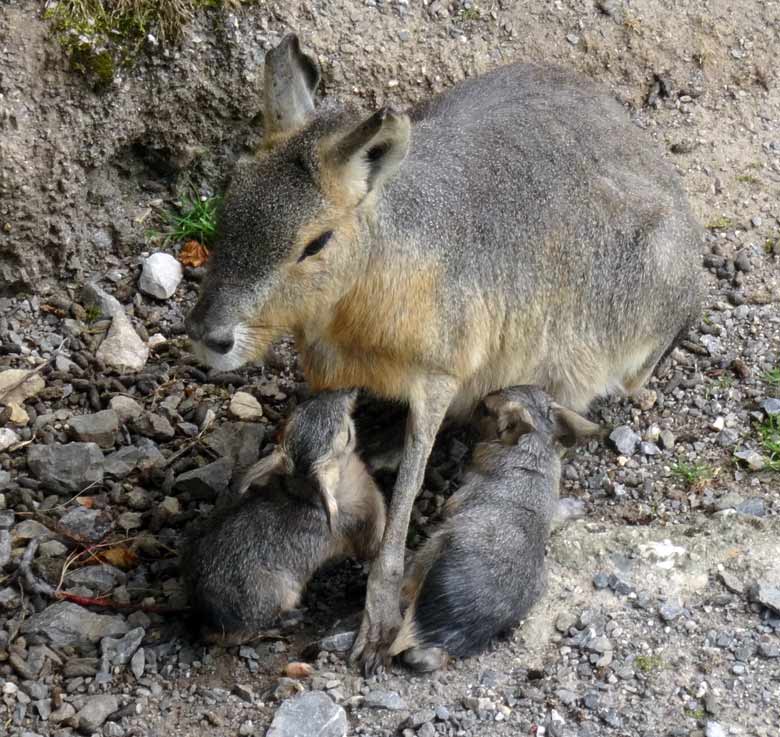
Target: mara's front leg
382, 615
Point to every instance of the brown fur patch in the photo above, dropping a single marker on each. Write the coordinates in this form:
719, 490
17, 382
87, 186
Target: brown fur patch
382, 331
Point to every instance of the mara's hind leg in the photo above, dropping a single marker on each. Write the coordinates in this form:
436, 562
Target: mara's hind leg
635, 380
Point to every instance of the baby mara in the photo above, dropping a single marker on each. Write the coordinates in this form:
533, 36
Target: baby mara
308, 503
476, 577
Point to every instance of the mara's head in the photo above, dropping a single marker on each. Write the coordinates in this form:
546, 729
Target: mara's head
289, 243
317, 442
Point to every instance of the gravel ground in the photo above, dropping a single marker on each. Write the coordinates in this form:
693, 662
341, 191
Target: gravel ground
662, 615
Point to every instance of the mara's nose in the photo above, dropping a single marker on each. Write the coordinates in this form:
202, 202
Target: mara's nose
217, 339
220, 340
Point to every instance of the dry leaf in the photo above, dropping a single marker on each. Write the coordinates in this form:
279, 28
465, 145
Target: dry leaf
85, 501
119, 557
298, 670
193, 254
51, 309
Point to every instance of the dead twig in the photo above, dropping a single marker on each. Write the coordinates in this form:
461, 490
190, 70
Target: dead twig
36, 585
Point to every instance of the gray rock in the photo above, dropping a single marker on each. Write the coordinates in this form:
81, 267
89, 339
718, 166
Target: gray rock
625, 440
160, 276
771, 406
754, 507
239, 441
5, 548
7, 519
66, 469
712, 343
88, 524
52, 549
207, 481
112, 729
138, 663
728, 437
126, 408
101, 428
670, 610
120, 651
7, 438
121, 349
153, 426
246, 728
729, 501
99, 578
311, 714
668, 439
143, 456
95, 711
66, 711
9, 598
339, 642
713, 729
754, 460
767, 595
732, 582
390, 700
65, 623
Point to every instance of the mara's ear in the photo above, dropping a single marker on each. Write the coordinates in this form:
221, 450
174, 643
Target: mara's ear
367, 156
291, 77
327, 477
571, 428
261, 472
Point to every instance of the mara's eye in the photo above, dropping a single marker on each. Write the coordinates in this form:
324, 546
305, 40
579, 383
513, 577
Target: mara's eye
316, 245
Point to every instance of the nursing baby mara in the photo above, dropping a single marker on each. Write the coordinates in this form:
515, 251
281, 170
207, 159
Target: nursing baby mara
311, 501
516, 229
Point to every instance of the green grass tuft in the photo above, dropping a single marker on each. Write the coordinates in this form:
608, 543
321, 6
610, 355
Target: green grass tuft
93, 314
196, 221
769, 435
471, 14
772, 376
692, 473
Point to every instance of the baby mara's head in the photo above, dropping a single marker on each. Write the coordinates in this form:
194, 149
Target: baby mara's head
507, 415
317, 442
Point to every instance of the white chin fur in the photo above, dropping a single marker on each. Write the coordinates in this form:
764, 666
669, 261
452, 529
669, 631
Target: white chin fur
220, 361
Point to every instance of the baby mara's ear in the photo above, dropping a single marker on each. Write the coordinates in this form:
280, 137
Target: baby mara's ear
327, 478
274, 464
509, 420
570, 428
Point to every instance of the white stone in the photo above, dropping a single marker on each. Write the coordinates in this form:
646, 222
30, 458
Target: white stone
156, 340
27, 389
160, 276
123, 349
19, 414
244, 406
7, 438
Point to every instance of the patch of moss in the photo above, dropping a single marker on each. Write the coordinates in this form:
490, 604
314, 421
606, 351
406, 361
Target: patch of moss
748, 179
720, 223
648, 663
100, 36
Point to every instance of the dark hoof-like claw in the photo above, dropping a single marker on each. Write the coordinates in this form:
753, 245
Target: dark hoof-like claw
370, 651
